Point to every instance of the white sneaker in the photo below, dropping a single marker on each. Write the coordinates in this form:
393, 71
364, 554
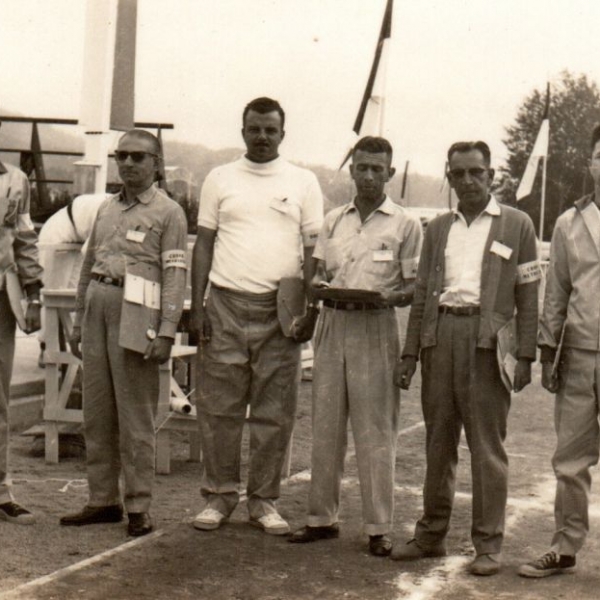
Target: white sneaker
272, 524
209, 519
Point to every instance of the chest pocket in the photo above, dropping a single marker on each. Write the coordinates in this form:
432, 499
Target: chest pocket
382, 257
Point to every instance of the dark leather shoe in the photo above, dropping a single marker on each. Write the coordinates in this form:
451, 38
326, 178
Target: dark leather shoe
380, 545
412, 551
139, 524
307, 534
94, 514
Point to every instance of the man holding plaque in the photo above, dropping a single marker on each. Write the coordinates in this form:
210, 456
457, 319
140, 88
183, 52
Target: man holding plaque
367, 255
129, 302
19, 269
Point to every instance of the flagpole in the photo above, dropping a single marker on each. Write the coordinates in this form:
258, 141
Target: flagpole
543, 201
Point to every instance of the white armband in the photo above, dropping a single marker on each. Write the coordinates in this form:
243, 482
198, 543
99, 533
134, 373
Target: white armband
174, 258
409, 267
309, 238
528, 272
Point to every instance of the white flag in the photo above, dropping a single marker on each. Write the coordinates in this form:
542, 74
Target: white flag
540, 150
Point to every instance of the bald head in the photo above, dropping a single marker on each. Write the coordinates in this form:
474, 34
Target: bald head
142, 134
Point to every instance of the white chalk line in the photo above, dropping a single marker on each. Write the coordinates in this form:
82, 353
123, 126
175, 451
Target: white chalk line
69, 483
17, 592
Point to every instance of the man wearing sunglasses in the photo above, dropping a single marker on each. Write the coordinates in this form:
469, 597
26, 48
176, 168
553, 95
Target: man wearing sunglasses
136, 256
19, 263
478, 266
258, 222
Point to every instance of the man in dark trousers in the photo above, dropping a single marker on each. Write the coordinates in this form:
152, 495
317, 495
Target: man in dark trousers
478, 266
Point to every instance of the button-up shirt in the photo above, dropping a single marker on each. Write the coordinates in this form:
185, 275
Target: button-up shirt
464, 256
18, 240
152, 230
377, 254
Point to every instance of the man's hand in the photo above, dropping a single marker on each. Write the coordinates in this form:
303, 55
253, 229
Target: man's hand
200, 324
319, 281
522, 374
549, 379
304, 327
75, 342
159, 350
404, 371
394, 298
32, 317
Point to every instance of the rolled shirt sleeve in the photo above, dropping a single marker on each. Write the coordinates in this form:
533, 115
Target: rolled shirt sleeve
410, 250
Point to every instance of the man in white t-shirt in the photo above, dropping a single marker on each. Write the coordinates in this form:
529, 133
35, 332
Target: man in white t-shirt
258, 222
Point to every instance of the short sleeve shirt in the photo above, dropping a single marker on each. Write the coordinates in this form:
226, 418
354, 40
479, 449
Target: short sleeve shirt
377, 254
263, 215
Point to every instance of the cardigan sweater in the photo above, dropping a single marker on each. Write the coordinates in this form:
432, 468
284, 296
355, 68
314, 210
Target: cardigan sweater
509, 281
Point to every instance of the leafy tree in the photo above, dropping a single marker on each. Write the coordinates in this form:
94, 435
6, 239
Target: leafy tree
574, 109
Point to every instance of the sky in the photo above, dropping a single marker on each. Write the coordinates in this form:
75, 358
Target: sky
458, 69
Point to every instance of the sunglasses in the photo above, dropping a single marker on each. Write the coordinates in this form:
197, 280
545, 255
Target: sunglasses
474, 172
136, 157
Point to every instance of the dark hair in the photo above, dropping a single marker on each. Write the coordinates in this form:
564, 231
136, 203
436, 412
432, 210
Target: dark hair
462, 147
263, 106
145, 135
375, 145
595, 135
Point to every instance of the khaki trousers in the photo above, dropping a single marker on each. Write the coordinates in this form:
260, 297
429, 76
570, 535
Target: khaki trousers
355, 354
7, 352
120, 395
578, 443
248, 362
462, 387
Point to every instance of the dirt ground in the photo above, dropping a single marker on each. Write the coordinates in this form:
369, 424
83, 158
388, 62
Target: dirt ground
239, 562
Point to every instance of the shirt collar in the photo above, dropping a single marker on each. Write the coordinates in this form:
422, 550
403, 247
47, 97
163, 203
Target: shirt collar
144, 198
387, 207
492, 208
584, 202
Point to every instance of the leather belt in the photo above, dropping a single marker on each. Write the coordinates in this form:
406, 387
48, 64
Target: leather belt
116, 281
459, 311
345, 305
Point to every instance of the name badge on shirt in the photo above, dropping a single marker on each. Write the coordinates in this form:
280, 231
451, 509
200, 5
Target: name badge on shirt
501, 250
383, 255
133, 235
280, 205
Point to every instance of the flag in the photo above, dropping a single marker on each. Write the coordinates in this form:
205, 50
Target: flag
369, 120
540, 150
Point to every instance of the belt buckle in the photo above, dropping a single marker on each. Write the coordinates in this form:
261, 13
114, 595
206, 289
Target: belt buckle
351, 306
108, 280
